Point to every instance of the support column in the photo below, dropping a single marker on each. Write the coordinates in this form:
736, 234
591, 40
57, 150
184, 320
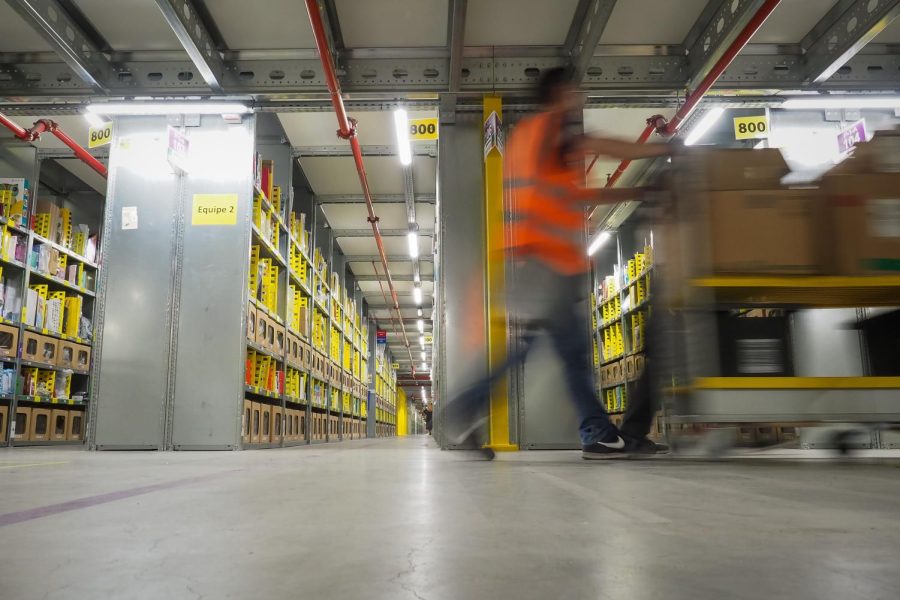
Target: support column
492, 115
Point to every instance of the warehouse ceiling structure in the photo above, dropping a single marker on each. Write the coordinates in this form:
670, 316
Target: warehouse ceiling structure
635, 58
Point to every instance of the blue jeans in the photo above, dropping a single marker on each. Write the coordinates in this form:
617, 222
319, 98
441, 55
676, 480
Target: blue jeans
557, 312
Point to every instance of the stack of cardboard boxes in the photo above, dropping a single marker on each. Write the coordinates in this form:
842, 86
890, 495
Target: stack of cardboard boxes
735, 217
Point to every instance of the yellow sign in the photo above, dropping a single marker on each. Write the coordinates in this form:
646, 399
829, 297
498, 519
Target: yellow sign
214, 209
395, 366
751, 128
421, 130
429, 339
100, 136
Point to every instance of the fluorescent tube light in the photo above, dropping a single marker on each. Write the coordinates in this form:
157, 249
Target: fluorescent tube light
422, 341
413, 238
598, 241
417, 294
421, 325
839, 102
401, 125
93, 120
424, 358
168, 108
706, 123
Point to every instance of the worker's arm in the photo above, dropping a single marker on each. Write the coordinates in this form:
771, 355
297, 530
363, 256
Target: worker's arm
621, 150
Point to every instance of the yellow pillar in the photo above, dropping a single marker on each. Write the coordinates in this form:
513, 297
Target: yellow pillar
494, 269
402, 414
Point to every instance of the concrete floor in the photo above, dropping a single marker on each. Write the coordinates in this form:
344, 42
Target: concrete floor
397, 519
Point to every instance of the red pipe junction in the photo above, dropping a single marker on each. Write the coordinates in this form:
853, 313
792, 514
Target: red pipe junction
658, 123
347, 131
45, 125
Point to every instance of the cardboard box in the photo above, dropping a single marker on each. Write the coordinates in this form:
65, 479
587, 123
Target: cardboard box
263, 324
31, 346
864, 223
765, 231
289, 425
246, 421
77, 425
66, 355
251, 323
59, 424
265, 423
731, 169
9, 341
255, 422
21, 424
630, 373
49, 350
277, 424
39, 429
278, 340
304, 321
82, 358
4, 422
639, 365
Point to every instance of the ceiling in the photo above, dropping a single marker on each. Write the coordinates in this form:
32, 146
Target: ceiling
642, 58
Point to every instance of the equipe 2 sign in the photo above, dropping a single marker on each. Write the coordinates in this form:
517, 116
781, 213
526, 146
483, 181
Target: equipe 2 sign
214, 209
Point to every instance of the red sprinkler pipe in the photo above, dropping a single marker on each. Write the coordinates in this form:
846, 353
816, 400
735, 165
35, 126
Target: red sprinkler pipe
694, 97
347, 131
45, 125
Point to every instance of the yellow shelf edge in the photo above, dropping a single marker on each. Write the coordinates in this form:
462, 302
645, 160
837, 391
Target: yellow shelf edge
796, 281
795, 383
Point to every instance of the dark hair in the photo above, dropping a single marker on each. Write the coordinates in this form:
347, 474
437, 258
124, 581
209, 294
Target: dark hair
550, 83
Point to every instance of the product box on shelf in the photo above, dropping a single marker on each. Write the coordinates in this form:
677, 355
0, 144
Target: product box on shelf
246, 420
39, 430
4, 421
864, 211
251, 323
21, 424
9, 339
31, 346
77, 425
59, 424
276, 419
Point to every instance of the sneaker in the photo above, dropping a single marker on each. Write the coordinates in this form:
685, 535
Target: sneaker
613, 446
645, 446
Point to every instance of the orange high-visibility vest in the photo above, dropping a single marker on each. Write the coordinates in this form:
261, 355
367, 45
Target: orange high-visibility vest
545, 210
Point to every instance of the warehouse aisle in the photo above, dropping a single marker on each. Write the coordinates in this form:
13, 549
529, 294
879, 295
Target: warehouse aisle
404, 520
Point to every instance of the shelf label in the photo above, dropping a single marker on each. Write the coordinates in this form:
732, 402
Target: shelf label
493, 134
214, 209
751, 128
429, 339
395, 366
100, 136
421, 130
851, 136
179, 149
129, 217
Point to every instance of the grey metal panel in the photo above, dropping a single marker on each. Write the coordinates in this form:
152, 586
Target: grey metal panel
213, 291
464, 346
589, 30
824, 343
547, 416
134, 296
766, 405
188, 26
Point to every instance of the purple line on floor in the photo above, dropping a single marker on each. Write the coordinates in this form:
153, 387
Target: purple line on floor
89, 501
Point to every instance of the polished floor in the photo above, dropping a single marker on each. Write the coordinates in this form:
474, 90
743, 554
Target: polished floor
398, 519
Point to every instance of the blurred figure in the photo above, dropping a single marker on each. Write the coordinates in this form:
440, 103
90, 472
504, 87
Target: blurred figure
428, 415
545, 242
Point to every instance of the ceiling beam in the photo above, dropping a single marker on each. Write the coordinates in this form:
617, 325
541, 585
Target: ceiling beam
390, 257
333, 26
403, 305
456, 32
588, 22
847, 34
718, 26
404, 277
68, 40
377, 199
418, 149
366, 232
185, 21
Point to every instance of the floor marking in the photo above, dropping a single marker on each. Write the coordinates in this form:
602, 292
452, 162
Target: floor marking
593, 495
44, 464
90, 501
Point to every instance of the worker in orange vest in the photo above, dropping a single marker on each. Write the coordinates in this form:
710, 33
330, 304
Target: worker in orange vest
547, 204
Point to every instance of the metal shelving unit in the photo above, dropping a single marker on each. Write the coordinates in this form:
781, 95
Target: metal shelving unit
26, 274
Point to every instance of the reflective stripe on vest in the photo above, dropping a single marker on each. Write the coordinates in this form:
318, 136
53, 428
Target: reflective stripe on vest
545, 216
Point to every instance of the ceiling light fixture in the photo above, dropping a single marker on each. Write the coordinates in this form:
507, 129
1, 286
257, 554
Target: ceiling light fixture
706, 123
421, 325
422, 341
598, 241
839, 102
168, 108
413, 239
401, 126
93, 120
417, 294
